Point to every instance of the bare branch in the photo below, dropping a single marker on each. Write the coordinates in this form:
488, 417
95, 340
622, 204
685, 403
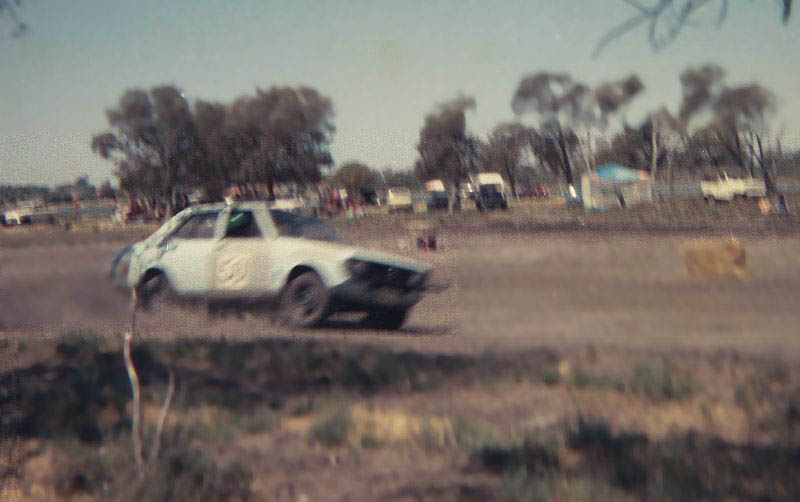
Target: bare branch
10, 8
136, 428
162, 418
667, 18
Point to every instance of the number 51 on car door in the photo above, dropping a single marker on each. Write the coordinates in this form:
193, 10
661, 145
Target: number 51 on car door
231, 271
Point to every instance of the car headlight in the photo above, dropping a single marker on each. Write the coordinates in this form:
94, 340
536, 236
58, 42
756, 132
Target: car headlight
356, 267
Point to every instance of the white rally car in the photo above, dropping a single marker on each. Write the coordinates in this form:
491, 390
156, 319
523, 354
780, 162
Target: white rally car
246, 254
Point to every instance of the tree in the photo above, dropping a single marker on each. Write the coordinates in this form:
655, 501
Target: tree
741, 125
504, 151
219, 156
665, 19
106, 190
445, 149
558, 101
285, 134
354, 175
160, 145
151, 141
397, 178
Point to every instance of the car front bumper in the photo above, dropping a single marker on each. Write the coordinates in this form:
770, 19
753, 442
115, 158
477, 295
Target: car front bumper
355, 294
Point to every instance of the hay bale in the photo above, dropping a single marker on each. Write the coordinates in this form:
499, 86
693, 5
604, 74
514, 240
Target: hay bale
709, 258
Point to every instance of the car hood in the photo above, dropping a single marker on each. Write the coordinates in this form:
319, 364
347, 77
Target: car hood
342, 252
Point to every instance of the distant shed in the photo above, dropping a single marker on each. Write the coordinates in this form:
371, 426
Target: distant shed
613, 185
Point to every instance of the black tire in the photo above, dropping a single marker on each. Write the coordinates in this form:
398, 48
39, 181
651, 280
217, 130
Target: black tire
305, 301
154, 287
391, 320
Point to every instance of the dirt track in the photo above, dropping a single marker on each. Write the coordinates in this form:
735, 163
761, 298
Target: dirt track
508, 291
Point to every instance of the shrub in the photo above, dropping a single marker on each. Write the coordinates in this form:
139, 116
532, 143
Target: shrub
332, 429
80, 470
74, 344
186, 473
657, 382
550, 375
581, 379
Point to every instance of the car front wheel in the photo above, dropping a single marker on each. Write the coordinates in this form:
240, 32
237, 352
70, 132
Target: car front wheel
153, 287
386, 319
304, 302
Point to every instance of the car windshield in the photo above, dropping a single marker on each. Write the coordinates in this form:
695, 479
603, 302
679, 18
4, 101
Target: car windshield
294, 225
168, 226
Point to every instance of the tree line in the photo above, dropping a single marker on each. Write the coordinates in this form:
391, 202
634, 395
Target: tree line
160, 144
564, 128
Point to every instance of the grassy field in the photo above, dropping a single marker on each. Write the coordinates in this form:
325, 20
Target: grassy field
287, 419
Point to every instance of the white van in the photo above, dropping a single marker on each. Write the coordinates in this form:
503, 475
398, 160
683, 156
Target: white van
399, 199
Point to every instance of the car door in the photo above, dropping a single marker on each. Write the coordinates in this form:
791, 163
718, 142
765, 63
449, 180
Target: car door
187, 254
240, 261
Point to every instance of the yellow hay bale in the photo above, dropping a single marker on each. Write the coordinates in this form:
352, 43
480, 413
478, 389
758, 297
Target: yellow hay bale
715, 258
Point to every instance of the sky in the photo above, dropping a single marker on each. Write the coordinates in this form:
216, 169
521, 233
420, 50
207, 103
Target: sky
385, 64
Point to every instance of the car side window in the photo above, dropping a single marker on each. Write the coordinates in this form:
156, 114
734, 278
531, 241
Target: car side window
242, 224
198, 226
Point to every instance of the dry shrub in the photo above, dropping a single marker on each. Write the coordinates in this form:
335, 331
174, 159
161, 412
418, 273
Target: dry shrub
708, 258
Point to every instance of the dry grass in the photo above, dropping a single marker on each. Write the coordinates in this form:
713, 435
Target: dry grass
710, 259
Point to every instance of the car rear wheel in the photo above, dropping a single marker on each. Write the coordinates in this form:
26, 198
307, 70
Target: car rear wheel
386, 319
304, 302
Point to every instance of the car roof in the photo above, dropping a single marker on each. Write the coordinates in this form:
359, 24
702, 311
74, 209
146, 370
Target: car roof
251, 204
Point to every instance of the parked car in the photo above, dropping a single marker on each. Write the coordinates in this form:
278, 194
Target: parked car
725, 188
399, 199
437, 200
491, 192
250, 256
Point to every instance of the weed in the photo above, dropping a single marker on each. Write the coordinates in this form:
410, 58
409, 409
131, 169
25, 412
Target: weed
74, 344
225, 355
332, 429
549, 375
530, 456
212, 432
431, 437
657, 382
276, 401
369, 441
517, 486
775, 371
470, 435
262, 421
581, 379
80, 470
304, 407
186, 473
